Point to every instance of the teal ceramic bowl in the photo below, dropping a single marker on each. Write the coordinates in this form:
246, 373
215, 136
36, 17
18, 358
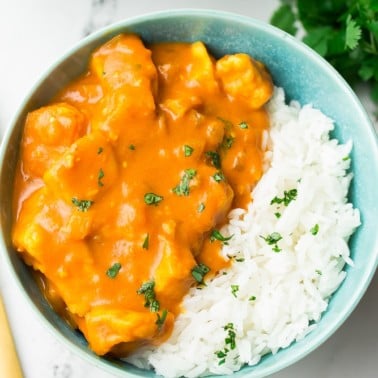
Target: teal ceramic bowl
305, 77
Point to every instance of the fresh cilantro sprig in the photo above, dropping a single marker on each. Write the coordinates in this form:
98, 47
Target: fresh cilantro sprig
344, 32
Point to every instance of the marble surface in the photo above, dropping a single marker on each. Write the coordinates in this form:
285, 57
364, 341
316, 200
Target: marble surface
33, 34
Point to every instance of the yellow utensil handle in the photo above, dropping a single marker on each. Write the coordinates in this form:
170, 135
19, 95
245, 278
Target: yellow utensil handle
9, 362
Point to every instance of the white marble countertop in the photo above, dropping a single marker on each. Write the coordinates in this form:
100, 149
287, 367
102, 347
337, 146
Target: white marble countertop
33, 34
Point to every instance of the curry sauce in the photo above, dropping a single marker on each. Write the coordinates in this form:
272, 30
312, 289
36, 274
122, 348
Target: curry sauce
126, 177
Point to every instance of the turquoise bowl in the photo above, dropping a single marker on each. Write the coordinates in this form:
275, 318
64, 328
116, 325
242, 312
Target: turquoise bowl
304, 75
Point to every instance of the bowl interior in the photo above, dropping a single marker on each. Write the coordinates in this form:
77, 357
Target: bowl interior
305, 78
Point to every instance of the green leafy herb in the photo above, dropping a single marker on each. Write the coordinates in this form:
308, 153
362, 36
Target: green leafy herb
132, 147
230, 343
146, 241
216, 235
188, 150
289, 195
99, 150
345, 158
317, 271
100, 176
314, 230
161, 319
182, 189
243, 125
113, 271
277, 215
344, 32
215, 158
273, 239
252, 298
199, 272
234, 290
152, 199
82, 205
201, 207
228, 141
218, 176
147, 289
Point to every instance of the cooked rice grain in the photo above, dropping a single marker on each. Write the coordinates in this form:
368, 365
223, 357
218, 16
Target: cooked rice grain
280, 294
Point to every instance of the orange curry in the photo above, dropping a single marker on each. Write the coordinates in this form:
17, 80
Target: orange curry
126, 177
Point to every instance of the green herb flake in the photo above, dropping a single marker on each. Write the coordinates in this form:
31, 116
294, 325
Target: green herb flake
218, 176
152, 199
113, 271
100, 150
216, 235
199, 272
201, 207
82, 205
147, 289
344, 32
146, 241
289, 195
100, 176
243, 125
214, 158
228, 141
345, 158
252, 298
161, 319
230, 340
272, 240
183, 188
317, 271
132, 147
188, 150
314, 230
234, 290
277, 215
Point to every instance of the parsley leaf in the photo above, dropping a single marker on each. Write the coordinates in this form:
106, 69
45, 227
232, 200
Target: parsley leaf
188, 150
215, 158
113, 271
216, 235
284, 18
152, 199
182, 189
82, 205
352, 33
161, 319
199, 272
147, 289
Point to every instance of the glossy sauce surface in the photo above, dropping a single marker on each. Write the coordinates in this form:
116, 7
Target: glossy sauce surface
124, 178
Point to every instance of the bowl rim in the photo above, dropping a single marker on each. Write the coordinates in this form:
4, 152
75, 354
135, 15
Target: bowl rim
210, 14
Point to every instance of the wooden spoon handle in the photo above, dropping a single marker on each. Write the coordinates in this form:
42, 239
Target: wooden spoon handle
9, 362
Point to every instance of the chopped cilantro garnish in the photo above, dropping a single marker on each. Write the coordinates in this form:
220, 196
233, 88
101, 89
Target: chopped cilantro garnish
147, 289
99, 150
82, 205
228, 141
100, 176
273, 239
277, 215
234, 290
188, 150
215, 158
252, 298
314, 230
182, 189
132, 147
152, 199
113, 271
216, 235
146, 241
218, 176
161, 319
199, 272
243, 125
289, 195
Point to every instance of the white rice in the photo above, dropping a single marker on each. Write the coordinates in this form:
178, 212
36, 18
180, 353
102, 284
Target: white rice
280, 295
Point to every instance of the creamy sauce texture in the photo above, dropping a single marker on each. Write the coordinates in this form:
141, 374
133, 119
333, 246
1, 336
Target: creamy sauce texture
126, 177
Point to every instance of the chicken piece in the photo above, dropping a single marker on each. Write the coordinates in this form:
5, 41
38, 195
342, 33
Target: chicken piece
105, 327
245, 79
86, 169
48, 132
128, 75
187, 76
